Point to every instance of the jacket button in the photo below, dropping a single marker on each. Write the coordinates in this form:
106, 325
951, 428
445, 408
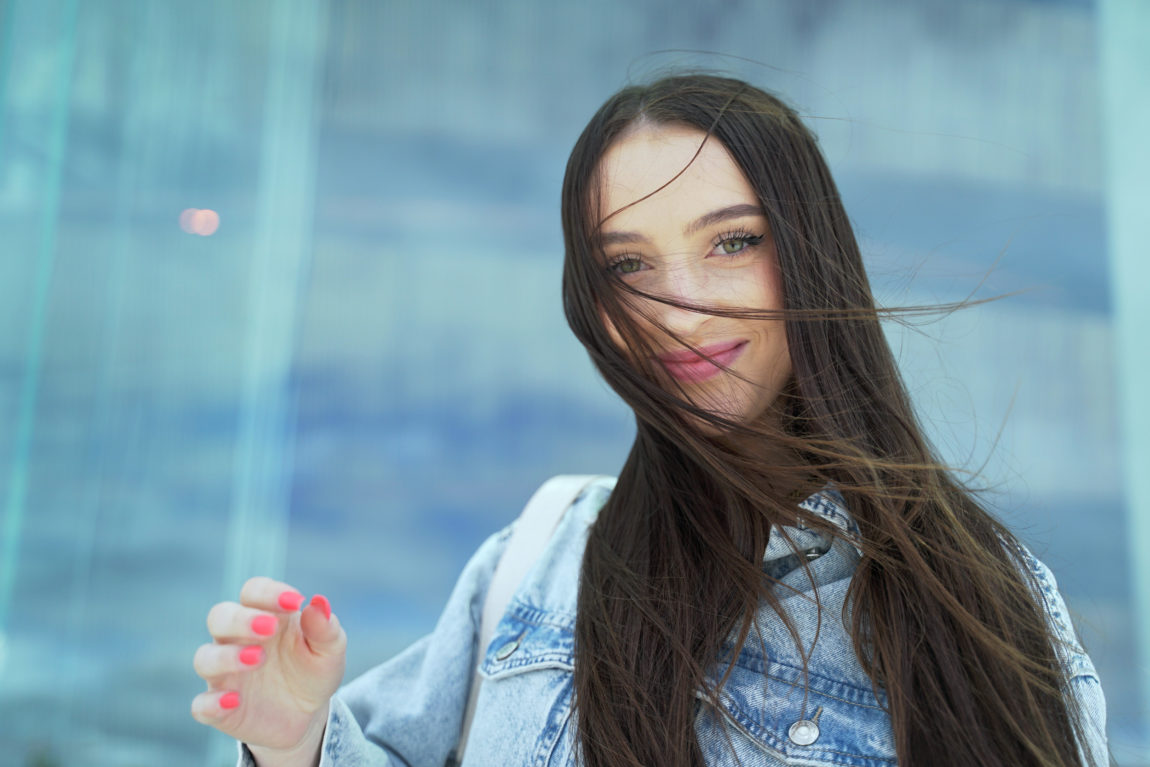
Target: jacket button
504, 652
803, 732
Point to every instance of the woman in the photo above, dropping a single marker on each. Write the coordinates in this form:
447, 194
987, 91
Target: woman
783, 573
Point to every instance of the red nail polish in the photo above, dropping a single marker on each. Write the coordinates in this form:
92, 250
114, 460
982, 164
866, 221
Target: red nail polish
264, 625
251, 655
291, 600
320, 601
229, 700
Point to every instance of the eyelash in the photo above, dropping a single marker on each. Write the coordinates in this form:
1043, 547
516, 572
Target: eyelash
618, 261
749, 241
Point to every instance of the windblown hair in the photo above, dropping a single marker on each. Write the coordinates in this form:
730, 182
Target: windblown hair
944, 616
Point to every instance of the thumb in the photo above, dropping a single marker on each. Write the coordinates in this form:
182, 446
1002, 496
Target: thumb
321, 629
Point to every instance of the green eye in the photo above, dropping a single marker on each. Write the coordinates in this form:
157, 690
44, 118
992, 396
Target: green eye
733, 243
627, 265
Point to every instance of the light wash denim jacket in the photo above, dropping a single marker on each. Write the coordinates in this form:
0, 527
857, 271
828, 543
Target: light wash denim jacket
409, 710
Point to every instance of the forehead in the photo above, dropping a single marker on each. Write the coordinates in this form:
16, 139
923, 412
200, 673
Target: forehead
661, 171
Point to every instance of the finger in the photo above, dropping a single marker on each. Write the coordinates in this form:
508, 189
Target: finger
213, 707
267, 594
230, 622
321, 628
212, 661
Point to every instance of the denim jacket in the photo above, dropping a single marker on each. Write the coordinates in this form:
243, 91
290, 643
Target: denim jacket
409, 710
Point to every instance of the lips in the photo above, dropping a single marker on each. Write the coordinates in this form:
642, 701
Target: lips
688, 365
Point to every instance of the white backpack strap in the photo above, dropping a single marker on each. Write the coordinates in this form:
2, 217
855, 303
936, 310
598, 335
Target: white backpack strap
529, 536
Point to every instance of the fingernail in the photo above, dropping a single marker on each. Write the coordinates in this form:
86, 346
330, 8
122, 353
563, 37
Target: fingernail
291, 600
320, 601
264, 625
251, 655
229, 700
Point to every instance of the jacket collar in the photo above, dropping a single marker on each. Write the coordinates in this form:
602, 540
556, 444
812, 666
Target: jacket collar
789, 545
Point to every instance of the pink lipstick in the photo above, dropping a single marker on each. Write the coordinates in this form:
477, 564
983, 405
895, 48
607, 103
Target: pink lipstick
690, 366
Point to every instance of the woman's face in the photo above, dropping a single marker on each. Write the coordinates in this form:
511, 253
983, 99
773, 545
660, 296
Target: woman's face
701, 239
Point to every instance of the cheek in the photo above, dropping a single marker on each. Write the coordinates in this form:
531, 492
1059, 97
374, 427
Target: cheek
612, 331
770, 287
782, 364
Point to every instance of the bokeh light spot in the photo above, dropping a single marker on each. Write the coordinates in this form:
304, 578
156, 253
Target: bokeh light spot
186, 220
203, 222
206, 222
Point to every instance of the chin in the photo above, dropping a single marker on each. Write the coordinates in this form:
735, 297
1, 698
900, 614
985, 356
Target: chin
734, 412
732, 403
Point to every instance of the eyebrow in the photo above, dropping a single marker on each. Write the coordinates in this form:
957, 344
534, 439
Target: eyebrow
702, 222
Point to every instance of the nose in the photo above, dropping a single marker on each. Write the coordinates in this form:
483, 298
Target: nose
688, 285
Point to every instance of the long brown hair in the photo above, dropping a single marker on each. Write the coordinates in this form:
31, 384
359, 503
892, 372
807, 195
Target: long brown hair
943, 616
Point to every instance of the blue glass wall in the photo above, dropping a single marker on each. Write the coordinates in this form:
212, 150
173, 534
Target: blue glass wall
279, 293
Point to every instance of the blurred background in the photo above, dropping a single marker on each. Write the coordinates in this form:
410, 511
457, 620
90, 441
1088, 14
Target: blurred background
279, 293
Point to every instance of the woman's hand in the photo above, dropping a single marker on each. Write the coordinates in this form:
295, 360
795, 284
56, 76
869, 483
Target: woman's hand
271, 671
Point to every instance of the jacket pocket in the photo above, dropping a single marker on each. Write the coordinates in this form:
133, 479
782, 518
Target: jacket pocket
777, 715
523, 707
528, 638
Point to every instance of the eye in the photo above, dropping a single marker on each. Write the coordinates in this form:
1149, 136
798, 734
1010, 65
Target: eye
733, 243
626, 265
